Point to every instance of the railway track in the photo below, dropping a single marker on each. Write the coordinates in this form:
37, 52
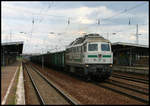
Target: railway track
130, 78
139, 94
133, 91
132, 75
39, 81
127, 90
133, 86
127, 87
134, 94
35, 87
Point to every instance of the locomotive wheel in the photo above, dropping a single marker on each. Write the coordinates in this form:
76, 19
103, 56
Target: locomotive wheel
88, 78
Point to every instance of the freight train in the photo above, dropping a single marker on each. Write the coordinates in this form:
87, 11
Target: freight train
89, 56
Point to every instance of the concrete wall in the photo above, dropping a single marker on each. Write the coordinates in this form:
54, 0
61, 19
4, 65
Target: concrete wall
139, 70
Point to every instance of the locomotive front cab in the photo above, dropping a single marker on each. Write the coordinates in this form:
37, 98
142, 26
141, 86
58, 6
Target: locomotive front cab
98, 53
98, 59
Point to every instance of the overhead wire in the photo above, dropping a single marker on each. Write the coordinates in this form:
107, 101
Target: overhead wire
33, 22
124, 11
108, 18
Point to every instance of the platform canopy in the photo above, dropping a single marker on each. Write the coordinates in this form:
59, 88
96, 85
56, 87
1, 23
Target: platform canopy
130, 54
130, 44
127, 46
12, 47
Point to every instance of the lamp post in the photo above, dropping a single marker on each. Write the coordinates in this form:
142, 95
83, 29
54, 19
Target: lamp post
52, 33
42, 60
137, 37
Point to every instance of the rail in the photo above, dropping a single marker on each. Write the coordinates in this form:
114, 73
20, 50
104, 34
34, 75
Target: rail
123, 93
35, 87
130, 78
54, 86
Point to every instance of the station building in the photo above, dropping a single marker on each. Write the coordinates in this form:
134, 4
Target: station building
10, 51
129, 54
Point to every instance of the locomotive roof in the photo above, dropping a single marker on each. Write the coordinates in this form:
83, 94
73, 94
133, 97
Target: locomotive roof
89, 38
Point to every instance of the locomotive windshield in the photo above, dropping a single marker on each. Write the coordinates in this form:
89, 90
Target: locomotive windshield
93, 47
105, 47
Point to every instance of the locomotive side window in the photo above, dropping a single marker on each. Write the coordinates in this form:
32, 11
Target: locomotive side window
84, 47
74, 49
71, 49
67, 50
93, 47
105, 47
79, 48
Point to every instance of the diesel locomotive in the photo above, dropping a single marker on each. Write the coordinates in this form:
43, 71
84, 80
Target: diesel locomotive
89, 56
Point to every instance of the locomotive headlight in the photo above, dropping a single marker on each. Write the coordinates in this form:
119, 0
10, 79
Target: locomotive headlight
110, 65
86, 65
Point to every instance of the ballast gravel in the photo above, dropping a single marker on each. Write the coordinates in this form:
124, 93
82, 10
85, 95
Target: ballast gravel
84, 92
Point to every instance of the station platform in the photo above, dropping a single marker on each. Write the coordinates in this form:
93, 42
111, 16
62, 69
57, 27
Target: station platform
10, 78
137, 70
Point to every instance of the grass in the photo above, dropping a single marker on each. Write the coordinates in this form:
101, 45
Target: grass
12, 95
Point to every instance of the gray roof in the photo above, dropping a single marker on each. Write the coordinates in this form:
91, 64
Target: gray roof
89, 37
11, 43
130, 44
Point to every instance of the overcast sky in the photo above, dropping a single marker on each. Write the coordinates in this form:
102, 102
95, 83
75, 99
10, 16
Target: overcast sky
52, 25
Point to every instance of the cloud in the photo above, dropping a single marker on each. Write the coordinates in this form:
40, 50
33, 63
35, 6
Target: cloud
80, 14
132, 38
85, 20
18, 17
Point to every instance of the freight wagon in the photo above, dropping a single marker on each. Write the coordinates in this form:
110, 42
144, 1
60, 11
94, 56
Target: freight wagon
54, 60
